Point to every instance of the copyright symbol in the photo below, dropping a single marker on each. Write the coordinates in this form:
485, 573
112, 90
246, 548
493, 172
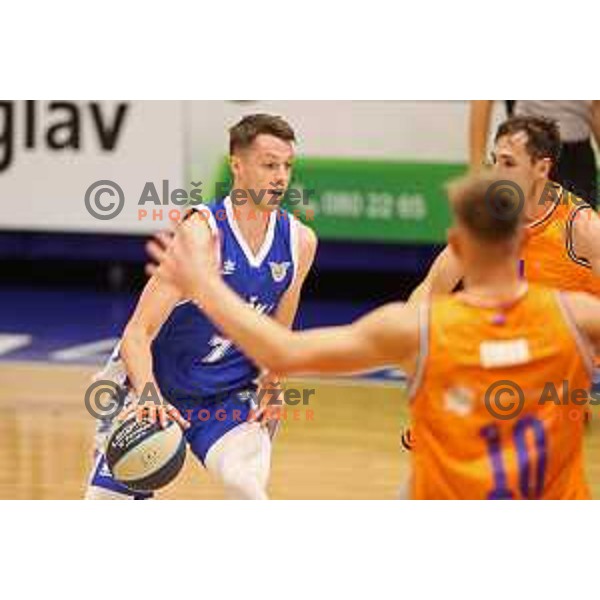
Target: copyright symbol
504, 199
104, 399
108, 208
500, 400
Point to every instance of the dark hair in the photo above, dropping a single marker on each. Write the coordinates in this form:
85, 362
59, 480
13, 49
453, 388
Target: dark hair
543, 135
481, 204
243, 133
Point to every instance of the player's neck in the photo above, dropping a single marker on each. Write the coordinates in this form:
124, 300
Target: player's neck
537, 205
251, 222
498, 282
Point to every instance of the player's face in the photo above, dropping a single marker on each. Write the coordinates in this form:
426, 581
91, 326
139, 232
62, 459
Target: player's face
266, 168
512, 161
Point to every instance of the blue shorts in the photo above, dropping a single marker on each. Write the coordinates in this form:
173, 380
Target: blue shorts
209, 421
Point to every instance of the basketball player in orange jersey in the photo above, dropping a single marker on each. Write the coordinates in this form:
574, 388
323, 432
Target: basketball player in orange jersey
562, 242
454, 348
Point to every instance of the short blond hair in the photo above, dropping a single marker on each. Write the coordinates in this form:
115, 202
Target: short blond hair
491, 209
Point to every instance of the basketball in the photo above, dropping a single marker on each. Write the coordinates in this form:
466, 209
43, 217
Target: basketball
143, 456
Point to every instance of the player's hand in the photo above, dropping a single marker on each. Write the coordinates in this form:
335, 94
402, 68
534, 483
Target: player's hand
163, 413
185, 257
270, 400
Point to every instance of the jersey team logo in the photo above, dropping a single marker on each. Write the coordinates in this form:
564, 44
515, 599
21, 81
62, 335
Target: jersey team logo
279, 270
459, 400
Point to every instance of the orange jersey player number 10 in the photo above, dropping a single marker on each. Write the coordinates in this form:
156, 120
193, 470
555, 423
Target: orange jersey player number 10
531, 469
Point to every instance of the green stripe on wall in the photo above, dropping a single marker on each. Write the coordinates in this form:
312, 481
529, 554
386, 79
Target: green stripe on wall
373, 200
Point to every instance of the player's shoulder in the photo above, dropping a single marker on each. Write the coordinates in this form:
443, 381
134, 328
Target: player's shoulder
450, 307
583, 228
200, 212
584, 216
307, 236
583, 309
306, 246
200, 215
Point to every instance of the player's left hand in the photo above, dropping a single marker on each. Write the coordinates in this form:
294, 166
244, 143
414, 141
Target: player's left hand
185, 257
270, 394
163, 413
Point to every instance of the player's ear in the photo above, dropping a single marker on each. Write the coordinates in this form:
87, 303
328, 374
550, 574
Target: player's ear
453, 237
234, 165
543, 168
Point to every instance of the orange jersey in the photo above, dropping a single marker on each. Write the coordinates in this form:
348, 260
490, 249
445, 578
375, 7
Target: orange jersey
548, 255
461, 449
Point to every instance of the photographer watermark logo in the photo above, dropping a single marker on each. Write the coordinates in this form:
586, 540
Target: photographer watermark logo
104, 199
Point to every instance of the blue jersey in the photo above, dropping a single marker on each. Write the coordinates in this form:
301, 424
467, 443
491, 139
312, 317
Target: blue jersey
192, 358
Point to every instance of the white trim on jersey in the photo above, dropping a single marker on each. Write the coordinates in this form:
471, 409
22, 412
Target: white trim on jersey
550, 210
257, 259
294, 245
417, 379
584, 262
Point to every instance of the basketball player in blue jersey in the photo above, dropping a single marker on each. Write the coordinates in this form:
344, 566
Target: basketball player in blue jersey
265, 255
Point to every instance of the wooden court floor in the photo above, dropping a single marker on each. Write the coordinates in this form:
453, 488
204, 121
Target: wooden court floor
347, 447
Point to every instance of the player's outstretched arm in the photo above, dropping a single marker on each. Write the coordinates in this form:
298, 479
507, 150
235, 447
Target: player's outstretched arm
388, 336
443, 276
287, 309
385, 337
